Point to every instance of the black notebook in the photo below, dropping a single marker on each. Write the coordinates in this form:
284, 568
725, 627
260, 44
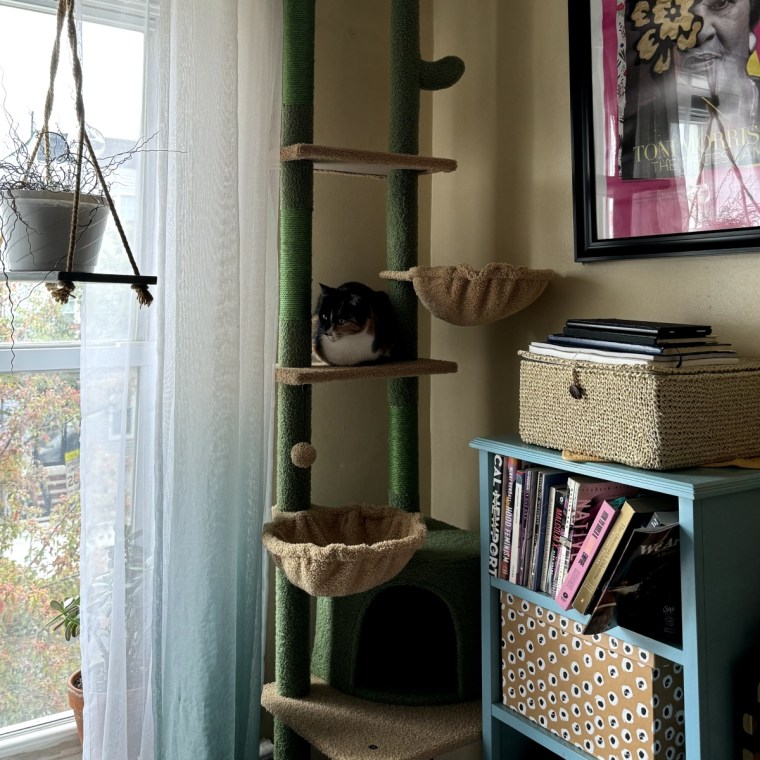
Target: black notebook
641, 327
637, 339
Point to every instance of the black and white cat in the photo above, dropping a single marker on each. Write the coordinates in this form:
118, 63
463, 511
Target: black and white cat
353, 325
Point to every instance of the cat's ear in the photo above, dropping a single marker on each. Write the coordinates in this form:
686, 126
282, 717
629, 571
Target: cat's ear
325, 288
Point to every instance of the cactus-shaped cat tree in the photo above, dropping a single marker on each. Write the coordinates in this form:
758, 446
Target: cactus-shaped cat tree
395, 668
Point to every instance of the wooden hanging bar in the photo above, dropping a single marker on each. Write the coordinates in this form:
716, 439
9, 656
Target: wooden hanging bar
63, 276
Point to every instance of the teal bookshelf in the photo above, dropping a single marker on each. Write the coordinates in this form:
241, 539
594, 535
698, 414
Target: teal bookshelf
719, 514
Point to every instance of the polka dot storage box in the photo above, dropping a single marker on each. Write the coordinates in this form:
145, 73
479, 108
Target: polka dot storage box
613, 700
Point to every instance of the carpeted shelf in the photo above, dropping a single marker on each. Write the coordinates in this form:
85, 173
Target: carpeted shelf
323, 373
368, 162
346, 728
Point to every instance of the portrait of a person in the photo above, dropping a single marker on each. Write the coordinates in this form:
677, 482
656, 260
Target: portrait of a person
691, 101
692, 87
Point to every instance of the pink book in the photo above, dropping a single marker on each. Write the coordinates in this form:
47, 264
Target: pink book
594, 539
584, 497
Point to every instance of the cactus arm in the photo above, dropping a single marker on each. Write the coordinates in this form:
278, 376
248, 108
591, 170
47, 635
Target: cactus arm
440, 74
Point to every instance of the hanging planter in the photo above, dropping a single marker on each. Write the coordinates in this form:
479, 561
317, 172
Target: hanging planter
36, 225
467, 297
53, 218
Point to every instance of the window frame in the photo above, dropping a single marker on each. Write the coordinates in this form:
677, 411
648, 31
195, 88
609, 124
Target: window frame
54, 737
51, 738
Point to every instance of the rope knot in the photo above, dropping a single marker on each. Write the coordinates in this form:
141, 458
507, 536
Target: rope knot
61, 291
144, 297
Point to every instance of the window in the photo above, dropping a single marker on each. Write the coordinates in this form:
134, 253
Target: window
39, 349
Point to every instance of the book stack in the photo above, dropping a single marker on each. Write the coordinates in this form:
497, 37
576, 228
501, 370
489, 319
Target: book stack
539, 519
632, 577
625, 341
605, 549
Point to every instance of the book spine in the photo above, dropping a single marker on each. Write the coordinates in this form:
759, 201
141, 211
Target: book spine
643, 328
496, 496
563, 558
655, 351
538, 532
603, 521
512, 466
556, 538
526, 526
637, 340
593, 580
514, 551
604, 345
639, 329
633, 338
549, 479
547, 538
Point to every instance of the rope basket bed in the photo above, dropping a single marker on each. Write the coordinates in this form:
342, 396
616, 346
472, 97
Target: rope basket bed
467, 297
336, 551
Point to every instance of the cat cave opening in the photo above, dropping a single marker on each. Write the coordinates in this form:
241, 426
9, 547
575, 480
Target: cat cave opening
414, 640
427, 665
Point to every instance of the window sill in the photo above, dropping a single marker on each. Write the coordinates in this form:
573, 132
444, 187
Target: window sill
51, 738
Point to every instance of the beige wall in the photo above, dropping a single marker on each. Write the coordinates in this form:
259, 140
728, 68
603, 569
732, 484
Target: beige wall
351, 110
507, 124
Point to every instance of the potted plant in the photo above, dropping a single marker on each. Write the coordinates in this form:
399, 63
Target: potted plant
46, 190
67, 620
40, 182
52, 215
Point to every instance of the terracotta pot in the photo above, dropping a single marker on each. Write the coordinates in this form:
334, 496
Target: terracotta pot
76, 701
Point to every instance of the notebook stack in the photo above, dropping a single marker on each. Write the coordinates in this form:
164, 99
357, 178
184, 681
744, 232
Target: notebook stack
626, 341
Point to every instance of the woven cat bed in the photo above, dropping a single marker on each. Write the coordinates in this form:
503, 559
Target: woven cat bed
336, 551
466, 297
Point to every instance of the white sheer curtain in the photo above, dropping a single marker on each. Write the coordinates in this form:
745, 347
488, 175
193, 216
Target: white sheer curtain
173, 504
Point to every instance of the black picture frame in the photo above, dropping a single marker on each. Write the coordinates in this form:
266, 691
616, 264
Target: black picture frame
589, 246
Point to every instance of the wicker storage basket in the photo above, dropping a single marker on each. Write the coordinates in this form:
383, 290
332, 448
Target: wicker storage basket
654, 418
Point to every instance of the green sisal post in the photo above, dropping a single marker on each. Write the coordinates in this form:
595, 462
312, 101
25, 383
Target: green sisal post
403, 392
403, 444
292, 616
291, 662
408, 75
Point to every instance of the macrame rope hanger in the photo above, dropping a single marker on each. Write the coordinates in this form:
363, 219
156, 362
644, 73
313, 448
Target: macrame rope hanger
62, 290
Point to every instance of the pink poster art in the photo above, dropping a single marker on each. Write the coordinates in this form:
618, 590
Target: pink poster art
681, 85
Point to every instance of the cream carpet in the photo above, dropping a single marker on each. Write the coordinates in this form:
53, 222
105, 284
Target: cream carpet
346, 728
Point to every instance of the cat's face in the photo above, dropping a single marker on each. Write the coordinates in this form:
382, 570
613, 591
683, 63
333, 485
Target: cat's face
341, 313
352, 324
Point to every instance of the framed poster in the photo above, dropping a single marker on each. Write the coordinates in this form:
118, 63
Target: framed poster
664, 99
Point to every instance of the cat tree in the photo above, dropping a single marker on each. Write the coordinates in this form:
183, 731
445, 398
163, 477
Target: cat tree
340, 699
394, 673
